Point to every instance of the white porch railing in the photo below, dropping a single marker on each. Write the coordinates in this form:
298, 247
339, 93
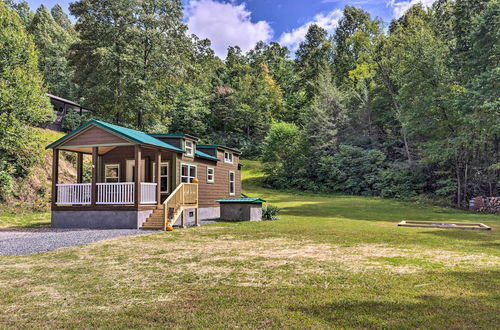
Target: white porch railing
73, 193
118, 193
148, 193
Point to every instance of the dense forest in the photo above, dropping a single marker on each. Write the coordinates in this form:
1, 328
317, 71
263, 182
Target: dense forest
408, 109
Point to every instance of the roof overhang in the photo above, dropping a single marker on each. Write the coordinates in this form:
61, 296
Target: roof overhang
126, 139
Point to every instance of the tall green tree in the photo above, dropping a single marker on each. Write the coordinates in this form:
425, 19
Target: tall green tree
355, 30
61, 18
53, 42
22, 8
125, 51
22, 94
312, 60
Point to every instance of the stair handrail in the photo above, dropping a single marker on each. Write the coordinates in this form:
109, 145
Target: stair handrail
174, 197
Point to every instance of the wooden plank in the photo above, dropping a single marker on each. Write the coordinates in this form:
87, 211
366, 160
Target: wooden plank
79, 167
444, 225
93, 190
137, 171
158, 177
55, 175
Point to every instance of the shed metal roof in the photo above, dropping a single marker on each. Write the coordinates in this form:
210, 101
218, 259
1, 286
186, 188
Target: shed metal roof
246, 200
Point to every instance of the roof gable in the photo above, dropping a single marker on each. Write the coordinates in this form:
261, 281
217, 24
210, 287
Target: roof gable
132, 135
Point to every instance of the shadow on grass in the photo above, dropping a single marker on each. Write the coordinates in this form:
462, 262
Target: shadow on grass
435, 309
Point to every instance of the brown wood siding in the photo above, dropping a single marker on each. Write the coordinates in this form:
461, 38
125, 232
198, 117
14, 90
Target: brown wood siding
93, 135
210, 192
120, 155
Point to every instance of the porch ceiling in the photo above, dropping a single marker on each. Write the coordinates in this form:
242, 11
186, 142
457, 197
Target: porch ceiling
88, 149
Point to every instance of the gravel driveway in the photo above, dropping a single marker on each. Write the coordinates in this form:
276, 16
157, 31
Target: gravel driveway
26, 241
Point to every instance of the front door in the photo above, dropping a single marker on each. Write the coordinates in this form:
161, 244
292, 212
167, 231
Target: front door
130, 174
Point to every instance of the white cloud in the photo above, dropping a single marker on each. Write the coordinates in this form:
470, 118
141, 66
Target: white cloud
401, 7
327, 21
225, 24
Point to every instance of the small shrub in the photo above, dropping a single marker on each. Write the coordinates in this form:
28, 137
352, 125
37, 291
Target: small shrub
270, 212
5, 185
73, 120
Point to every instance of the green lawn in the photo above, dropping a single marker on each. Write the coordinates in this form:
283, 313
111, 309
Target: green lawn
330, 261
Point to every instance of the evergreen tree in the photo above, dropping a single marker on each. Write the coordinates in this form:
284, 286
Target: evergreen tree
313, 59
53, 43
62, 19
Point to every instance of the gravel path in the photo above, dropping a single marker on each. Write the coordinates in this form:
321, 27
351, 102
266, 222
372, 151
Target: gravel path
26, 241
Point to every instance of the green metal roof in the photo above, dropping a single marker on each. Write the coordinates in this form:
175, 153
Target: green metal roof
128, 133
247, 200
201, 154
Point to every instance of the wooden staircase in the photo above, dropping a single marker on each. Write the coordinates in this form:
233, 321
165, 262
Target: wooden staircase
185, 196
155, 220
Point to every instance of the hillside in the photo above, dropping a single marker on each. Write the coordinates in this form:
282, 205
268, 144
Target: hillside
33, 192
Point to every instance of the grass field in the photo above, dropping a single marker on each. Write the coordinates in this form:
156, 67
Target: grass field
330, 261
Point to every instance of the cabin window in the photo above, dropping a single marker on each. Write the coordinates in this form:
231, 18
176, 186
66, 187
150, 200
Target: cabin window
228, 157
210, 175
163, 177
112, 173
188, 173
232, 183
189, 148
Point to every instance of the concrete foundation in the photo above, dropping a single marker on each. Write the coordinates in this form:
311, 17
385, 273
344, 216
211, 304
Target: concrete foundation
204, 213
97, 219
240, 212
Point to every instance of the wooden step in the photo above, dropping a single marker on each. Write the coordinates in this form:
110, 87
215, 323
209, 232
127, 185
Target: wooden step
151, 227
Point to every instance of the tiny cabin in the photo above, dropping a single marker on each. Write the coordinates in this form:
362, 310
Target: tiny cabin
141, 180
62, 107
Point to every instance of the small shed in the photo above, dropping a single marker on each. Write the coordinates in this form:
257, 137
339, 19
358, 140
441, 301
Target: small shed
241, 209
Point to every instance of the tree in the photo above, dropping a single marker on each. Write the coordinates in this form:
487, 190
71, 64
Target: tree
325, 118
61, 18
284, 155
53, 43
353, 34
312, 60
354, 70
22, 8
125, 51
22, 95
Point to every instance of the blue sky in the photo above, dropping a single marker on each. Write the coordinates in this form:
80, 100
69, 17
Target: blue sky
244, 22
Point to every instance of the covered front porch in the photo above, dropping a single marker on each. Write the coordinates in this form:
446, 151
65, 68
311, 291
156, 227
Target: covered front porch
128, 168
116, 177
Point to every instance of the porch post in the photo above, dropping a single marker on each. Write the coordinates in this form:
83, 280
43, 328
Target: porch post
158, 179
55, 174
79, 167
93, 194
137, 171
